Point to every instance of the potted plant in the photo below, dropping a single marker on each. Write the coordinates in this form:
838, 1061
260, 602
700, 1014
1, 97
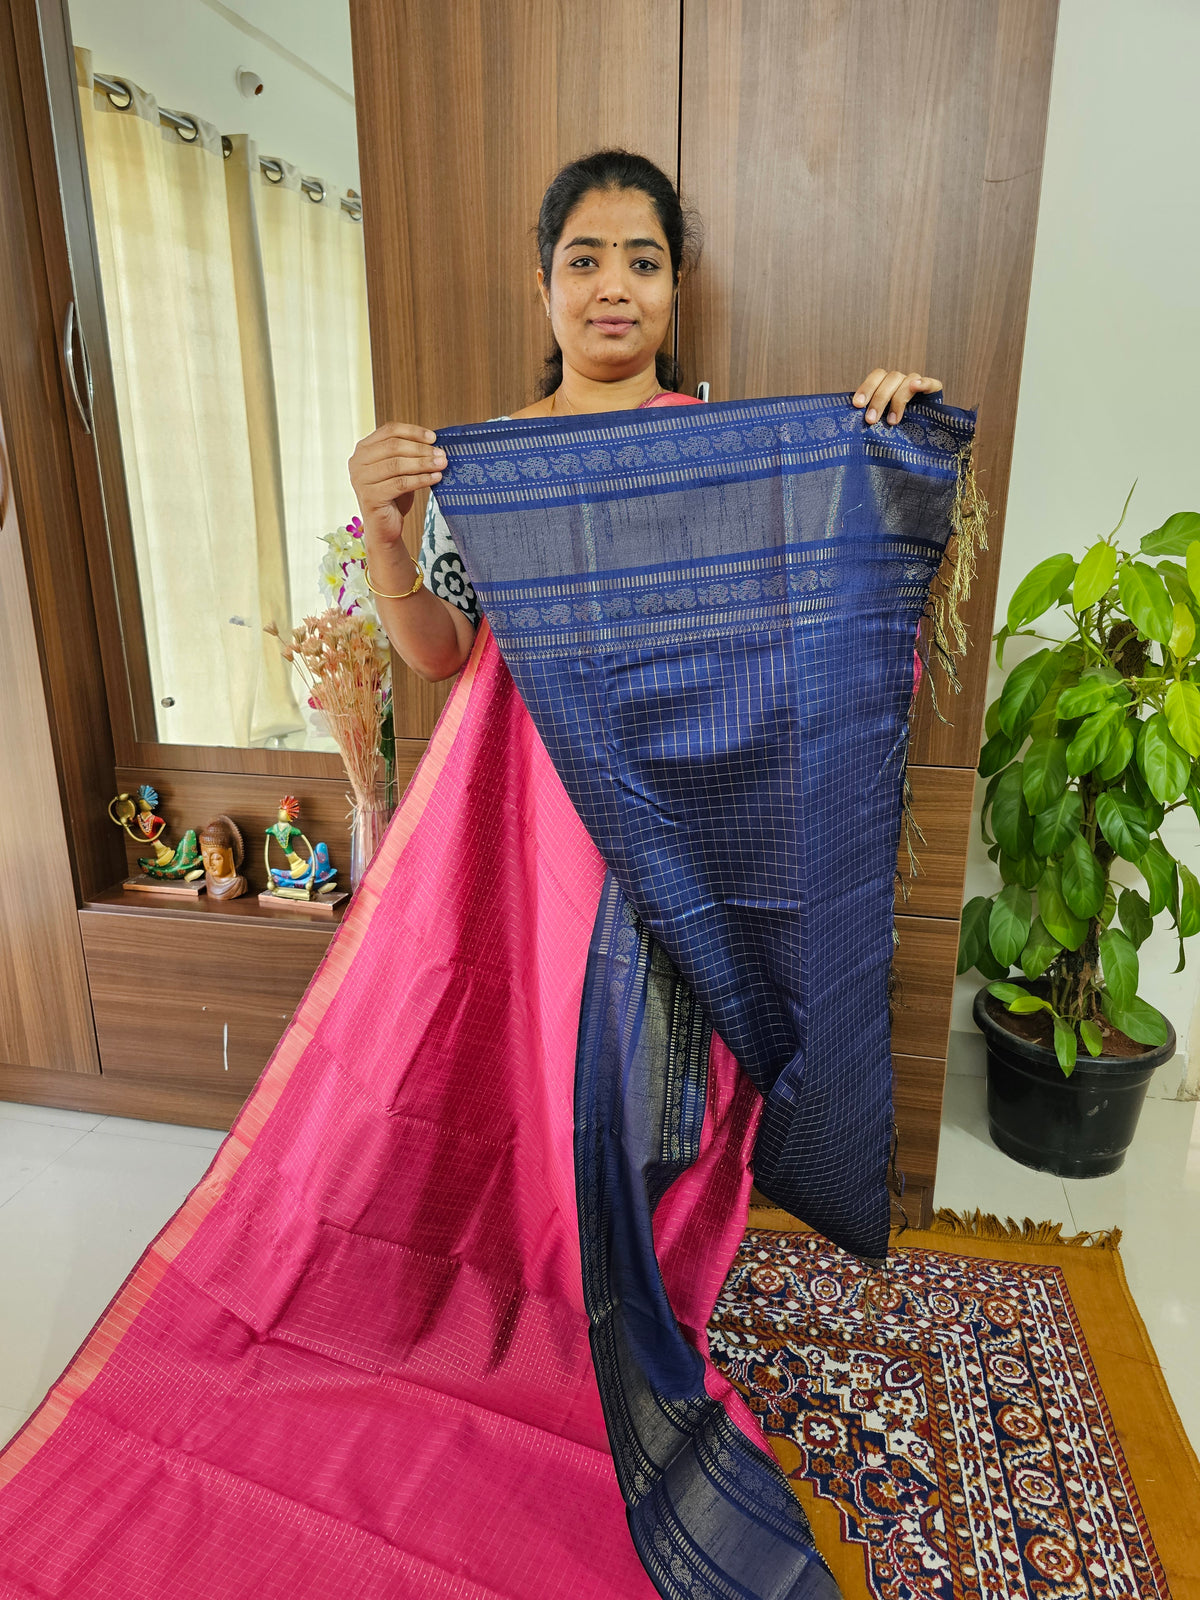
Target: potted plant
1092, 741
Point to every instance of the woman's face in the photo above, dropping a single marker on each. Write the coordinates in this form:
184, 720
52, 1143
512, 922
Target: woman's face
610, 291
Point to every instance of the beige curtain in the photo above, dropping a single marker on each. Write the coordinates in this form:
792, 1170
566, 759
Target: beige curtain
236, 311
316, 295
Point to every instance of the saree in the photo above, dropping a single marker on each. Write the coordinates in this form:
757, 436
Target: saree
433, 1322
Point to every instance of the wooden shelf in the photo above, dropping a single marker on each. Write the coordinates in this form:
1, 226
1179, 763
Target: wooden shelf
132, 902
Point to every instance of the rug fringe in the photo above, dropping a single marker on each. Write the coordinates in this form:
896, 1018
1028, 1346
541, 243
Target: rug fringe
984, 1225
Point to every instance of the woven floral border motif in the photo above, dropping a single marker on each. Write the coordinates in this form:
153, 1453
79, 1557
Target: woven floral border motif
950, 1409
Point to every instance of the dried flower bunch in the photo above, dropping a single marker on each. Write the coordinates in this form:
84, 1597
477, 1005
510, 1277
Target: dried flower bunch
345, 662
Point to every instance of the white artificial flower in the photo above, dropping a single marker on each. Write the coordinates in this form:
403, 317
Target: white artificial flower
331, 580
357, 593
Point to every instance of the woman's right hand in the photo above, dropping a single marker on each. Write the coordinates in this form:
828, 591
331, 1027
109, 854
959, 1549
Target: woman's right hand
386, 469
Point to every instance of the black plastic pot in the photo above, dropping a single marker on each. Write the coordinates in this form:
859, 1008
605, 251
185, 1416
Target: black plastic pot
1076, 1127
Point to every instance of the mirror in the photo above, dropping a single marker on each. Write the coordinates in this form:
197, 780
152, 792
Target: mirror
222, 164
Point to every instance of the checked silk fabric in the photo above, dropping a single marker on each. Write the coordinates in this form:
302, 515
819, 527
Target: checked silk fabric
709, 612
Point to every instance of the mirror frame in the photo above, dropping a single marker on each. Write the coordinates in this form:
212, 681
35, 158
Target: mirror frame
100, 470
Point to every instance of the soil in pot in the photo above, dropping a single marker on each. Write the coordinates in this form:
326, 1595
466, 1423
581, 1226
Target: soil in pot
1076, 1127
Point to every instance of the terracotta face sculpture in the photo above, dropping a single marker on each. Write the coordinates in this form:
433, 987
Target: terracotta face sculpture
222, 850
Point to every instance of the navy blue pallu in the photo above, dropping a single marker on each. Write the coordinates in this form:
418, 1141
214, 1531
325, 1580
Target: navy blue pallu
710, 613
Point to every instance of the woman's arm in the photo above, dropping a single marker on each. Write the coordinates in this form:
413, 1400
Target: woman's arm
432, 636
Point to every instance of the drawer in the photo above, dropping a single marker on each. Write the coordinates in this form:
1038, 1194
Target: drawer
190, 1003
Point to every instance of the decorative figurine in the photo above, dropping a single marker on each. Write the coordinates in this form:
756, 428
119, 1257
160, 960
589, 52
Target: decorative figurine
178, 871
223, 851
304, 885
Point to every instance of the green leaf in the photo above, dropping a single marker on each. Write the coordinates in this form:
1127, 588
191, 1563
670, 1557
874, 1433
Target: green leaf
1135, 785
973, 931
1025, 688
1092, 1037
1135, 916
1011, 821
991, 719
1189, 901
1082, 879
1109, 909
1183, 715
1060, 920
1094, 740
1044, 772
1145, 601
1084, 697
1117, 759
1157, 866
997, 753
1007, 991
1028, 1004
1141, 1022
1066, 1045
1183, 632
1025, 870
1054, 827
990, 967
1008, 927
1039, 590
1119, 958
1174, 537
1193, 567
1040, 950
1094, 576
1176, 580
1163, 761
1123, 823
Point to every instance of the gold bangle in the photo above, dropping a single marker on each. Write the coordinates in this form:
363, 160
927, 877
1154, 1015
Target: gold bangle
404, 594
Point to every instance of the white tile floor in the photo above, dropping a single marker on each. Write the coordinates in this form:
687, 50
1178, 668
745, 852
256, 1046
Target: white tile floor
81, 1196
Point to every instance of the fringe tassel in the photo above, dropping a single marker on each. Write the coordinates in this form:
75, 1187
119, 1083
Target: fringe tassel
983, 1225
951, 589
911, 826
949, 592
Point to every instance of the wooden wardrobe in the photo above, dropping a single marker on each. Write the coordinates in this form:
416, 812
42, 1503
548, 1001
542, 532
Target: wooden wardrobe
867, 174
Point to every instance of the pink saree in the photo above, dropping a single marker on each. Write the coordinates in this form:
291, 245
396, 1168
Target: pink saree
356, 1359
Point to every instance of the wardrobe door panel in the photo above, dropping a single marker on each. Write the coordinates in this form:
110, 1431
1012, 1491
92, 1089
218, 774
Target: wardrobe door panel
868, 177
465, 112
45, 1015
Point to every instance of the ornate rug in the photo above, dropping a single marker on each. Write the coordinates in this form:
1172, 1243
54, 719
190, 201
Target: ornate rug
950, 1412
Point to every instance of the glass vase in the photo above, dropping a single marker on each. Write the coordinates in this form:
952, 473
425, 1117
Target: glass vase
368, 824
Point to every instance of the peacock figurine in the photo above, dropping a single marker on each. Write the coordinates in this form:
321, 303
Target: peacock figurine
299, 875
184, 861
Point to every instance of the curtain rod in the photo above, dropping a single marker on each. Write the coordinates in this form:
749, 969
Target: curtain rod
185, 125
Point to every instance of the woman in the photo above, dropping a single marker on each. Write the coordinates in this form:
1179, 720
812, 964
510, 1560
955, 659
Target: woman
711, 936
613, 244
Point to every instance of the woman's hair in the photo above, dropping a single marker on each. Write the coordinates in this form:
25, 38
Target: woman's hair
616, 169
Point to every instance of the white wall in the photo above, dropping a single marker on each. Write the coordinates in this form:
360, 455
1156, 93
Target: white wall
185, 53
1108, 389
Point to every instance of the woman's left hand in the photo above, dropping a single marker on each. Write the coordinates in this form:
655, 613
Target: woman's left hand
882, 391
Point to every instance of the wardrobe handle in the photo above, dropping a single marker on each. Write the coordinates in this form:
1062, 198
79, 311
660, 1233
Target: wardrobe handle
702, 391
70, 327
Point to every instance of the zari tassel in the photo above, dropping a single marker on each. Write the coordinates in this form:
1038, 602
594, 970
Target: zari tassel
949, 593
951, 589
